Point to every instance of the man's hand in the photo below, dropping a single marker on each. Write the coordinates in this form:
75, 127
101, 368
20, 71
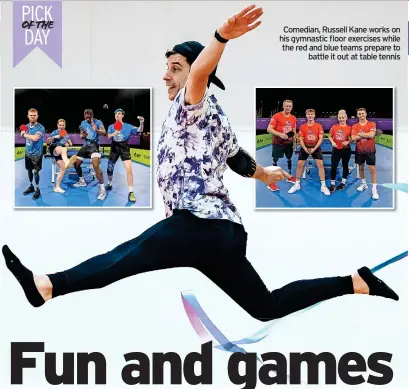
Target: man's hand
283, 136
241, 23
345, 143
141, 119
269, 176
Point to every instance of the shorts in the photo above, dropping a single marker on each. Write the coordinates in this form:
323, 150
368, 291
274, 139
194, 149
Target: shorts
317, 154
51, 149
119, 149
89, 151
280, 150
34, 163
369, 158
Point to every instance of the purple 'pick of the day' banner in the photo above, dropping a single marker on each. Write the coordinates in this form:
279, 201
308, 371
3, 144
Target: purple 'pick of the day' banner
37, 24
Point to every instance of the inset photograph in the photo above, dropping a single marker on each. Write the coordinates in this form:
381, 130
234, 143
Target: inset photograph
336, 143
82, 148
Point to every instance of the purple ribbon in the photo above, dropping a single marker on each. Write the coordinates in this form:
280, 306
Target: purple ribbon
37, 24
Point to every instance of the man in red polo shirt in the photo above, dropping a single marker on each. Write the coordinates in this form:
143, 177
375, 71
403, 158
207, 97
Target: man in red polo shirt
310, 136
363, 133
280, 125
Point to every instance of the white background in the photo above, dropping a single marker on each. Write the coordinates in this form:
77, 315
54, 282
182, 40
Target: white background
145, 313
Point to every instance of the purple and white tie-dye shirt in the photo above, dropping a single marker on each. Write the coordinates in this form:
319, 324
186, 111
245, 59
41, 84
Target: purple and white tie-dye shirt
195, 142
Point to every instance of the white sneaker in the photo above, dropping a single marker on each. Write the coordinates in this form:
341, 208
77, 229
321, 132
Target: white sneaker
375, 194
362, 187
325, 190
80, 183
294, 188
102, 194
58, 190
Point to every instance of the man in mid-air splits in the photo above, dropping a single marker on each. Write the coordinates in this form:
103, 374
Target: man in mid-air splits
120, 133
202, 228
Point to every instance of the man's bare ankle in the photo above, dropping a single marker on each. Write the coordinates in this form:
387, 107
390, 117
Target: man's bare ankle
360, 286
44, 287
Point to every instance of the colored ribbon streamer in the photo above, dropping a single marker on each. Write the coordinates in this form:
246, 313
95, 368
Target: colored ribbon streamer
37, 24
402, 187
200, 321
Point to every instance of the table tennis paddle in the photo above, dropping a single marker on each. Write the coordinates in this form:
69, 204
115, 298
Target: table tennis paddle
23, 128
290, 134
63, 133
378, 132
118, 126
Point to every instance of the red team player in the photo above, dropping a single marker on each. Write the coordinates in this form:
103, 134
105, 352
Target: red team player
280, 125
311, 136
363, 133
340, 138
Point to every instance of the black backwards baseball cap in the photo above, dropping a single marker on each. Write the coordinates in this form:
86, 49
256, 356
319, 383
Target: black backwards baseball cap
191, 50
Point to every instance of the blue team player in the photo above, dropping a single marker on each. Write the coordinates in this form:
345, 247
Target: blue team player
90, 130
33, 133
120, 134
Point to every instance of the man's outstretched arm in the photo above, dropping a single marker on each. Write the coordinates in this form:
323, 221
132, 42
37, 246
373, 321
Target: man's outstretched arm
206, 62
243, 164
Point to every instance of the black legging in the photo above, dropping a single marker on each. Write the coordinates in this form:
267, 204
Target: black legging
337, 155
217, 248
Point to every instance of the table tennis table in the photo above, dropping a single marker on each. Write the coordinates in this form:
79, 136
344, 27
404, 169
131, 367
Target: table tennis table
326, 148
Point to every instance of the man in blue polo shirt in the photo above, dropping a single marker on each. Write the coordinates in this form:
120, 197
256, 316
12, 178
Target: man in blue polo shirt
90, 130
120, 133
34, 137
202, 229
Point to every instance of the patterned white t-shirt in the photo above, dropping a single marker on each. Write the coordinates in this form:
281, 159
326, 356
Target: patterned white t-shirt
194, 145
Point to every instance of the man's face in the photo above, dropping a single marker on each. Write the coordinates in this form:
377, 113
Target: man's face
361, 115
32, 116
61, 125
342, 117
88, 116
287, 107
176, 74
310, 116
119, 116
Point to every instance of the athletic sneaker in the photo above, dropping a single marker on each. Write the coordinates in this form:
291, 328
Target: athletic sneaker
102, 194
295, 187
325, 190
292, 180
332, 189
29, 190
341, 186
80, 183
362, 187
273, 187
58, 190
131, 197
108, 187
375, 194
37, 194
